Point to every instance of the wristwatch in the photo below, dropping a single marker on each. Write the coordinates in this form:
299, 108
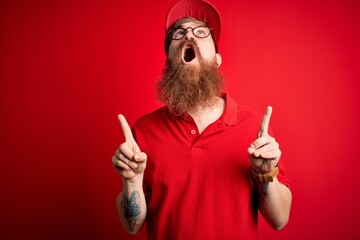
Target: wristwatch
264, 178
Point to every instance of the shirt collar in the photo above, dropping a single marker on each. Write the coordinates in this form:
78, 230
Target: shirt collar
229, 117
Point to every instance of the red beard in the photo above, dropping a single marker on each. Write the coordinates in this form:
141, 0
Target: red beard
185, 88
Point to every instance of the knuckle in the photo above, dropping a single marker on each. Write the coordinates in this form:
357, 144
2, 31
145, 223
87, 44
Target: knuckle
117, 164
122, 166
257, 143
117, 152
122, 146
123, 158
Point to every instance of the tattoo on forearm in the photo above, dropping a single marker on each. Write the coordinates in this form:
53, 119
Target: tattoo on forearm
131, 208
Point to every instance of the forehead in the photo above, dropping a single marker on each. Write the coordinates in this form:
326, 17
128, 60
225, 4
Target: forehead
191, 24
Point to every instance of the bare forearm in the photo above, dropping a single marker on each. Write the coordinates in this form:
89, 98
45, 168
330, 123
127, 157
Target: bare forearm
275, 203
131, 207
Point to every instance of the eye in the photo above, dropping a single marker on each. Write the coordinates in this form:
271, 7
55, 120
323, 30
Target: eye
179, 33
201, 32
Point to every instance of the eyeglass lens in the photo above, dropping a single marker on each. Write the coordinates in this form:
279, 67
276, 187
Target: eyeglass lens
200, 32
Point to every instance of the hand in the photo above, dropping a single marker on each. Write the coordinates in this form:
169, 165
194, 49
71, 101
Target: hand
128, 160
264, 152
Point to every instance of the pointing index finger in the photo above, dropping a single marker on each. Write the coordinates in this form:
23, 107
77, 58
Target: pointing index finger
264, 126
125, 128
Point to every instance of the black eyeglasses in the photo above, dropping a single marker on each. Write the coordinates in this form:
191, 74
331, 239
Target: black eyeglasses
199, 32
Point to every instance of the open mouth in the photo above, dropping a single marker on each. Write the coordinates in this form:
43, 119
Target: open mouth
189, 54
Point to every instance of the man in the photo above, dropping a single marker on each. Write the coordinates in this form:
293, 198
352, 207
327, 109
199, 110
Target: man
201, 166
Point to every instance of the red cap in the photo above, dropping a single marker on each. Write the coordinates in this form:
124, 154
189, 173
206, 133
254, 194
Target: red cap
198, 9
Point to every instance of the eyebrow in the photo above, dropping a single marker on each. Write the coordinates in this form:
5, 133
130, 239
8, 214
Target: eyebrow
199, 23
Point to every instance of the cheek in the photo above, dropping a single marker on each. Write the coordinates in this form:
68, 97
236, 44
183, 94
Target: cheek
172, 50
208, 52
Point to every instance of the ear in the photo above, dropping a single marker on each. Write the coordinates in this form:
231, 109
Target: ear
218, 59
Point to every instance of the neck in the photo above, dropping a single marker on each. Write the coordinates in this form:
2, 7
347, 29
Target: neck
204, 116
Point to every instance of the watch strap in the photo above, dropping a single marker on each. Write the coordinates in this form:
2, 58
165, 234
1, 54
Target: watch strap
264, 178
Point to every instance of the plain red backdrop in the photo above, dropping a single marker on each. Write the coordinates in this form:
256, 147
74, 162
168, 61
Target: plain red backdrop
67, 68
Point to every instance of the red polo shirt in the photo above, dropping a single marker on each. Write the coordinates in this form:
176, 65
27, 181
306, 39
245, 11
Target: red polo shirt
199, 186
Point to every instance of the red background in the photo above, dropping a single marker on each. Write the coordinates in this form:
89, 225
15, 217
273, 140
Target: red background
67, 68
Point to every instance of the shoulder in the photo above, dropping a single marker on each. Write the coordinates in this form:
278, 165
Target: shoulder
151, 118
248, 112
245, 113
152, 126
240, 111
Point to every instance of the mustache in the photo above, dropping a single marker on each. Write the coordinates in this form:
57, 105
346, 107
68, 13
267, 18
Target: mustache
188, 42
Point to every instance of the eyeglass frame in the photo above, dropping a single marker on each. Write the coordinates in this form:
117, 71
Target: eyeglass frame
172, 31
168, 39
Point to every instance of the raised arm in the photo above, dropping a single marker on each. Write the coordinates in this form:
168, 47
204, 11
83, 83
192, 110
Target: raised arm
274, 197
130, 163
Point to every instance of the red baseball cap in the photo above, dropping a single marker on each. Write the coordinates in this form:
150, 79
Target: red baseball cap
198, 9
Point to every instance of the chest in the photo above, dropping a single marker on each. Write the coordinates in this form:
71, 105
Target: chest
183, 156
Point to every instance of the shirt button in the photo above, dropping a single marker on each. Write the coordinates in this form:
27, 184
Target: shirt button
193, 132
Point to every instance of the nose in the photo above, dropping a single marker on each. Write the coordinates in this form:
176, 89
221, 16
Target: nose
189, 34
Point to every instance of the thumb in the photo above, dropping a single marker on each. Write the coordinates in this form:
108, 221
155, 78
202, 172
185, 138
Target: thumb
264, 125
126, 129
